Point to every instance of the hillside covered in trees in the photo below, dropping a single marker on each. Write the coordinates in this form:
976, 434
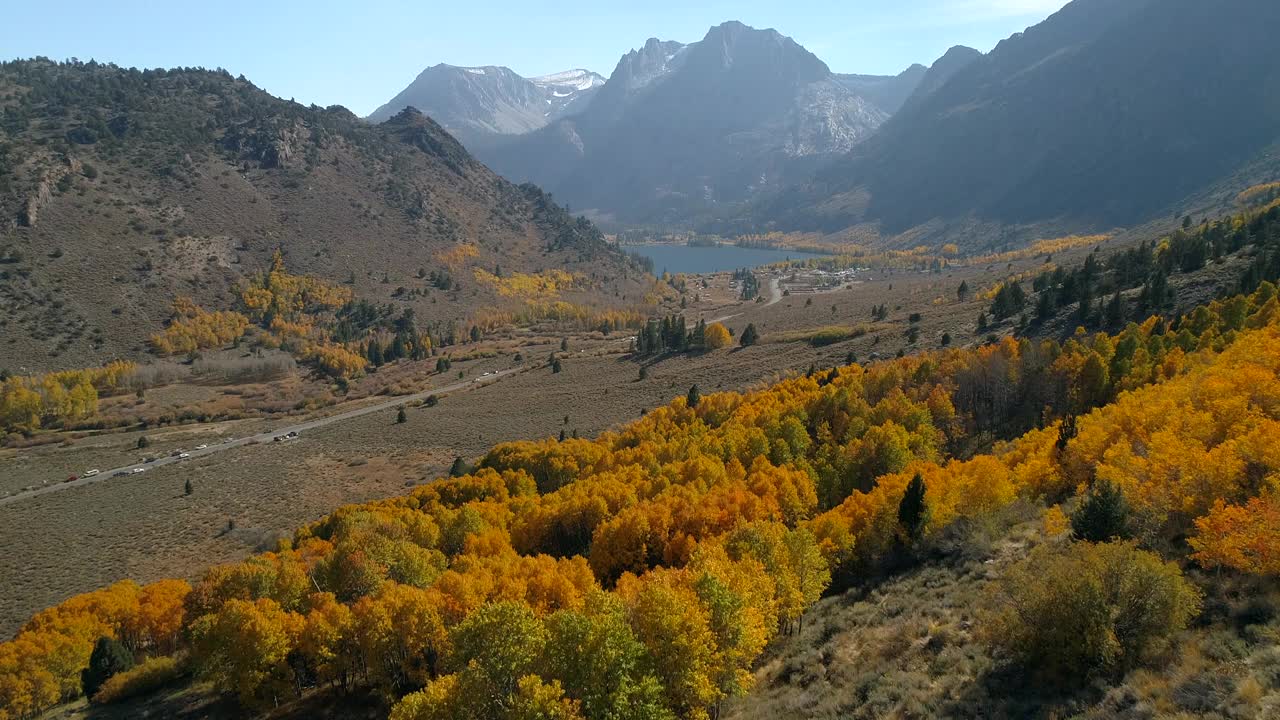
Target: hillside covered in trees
643, 573
122, 190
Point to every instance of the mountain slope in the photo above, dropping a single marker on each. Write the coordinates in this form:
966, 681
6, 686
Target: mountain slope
1107, 113
887, 92
682, 128
938, 74
121, 190
481, 104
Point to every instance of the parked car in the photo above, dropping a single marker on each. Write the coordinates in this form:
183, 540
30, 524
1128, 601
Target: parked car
201, 447
122, 473
184, 456
139, 470
71, 478
91, 473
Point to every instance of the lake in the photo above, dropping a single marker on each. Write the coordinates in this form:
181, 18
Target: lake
694, 260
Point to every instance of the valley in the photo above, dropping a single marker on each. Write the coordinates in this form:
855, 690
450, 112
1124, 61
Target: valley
738, 382
268, 489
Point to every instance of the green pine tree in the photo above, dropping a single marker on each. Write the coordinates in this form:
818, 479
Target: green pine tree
109, 658
459, 468
913, 512
694, 397
1103, 515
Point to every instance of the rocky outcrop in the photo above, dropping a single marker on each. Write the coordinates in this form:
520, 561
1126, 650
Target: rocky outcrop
268, 147
43, 193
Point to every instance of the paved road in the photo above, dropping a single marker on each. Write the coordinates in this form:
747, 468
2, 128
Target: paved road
265, 437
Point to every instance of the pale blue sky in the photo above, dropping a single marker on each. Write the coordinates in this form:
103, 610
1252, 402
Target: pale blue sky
361, 54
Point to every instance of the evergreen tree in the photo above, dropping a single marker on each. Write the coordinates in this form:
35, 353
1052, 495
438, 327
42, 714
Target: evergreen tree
1103, 515
564, 344
555, 365
962, 293
694, 397
749, 336
187, 487
459, 468
109, 658
1115, 311
143, 442
1085, 312
1046, 305
399, 348
913, 512
401, 416
1010, 300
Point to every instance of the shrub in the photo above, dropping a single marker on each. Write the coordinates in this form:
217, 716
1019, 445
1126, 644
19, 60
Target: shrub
1065, 614
142, 679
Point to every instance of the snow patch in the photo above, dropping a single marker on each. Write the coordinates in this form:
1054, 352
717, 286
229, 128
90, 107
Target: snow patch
476, 71
577, 80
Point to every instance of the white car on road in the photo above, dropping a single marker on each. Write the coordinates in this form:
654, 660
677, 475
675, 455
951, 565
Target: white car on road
139, 470
90, 473
201, 447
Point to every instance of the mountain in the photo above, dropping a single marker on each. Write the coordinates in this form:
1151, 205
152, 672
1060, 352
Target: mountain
681, 129
121, 190
568, 92
481, 104
1109, 113
942, 70
887, 92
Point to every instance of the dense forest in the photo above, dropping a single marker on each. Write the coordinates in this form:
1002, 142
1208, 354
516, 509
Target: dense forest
642, 573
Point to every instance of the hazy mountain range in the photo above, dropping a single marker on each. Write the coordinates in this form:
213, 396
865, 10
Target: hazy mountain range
675, 129
478, 104
1107, 113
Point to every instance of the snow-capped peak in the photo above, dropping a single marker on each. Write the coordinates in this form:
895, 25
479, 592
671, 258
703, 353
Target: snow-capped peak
576, 80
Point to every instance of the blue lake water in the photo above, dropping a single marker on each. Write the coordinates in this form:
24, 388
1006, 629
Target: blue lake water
692, 260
